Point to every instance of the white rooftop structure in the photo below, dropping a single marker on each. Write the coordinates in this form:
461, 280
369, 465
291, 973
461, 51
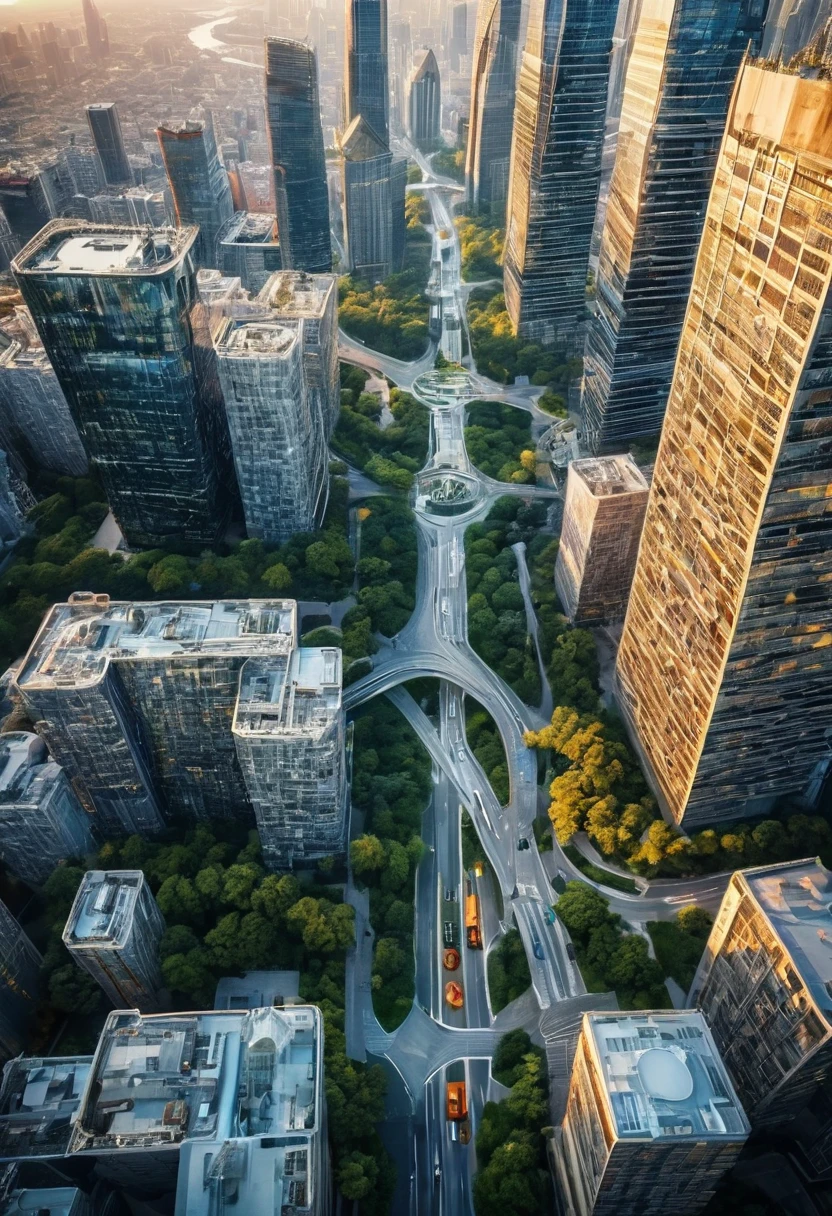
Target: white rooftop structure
39, 1100
77, 247
663, 1077
302, 697
104, 907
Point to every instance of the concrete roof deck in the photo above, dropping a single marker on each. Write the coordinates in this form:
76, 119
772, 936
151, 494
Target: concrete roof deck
69, 247
39, 1099
102, 911
608, 475
300, 697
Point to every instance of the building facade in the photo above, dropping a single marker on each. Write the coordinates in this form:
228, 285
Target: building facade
763, 984
198, 183
493, 81
373, 187
723, 672
98, 40
297, 147
366, 89
289, 733
113, 931
277, 434
137, 700
105, 129
424, 104
555, 171
249, 250
19, 976
606, 498
112, 309
41, 821
652, 1121
678, 85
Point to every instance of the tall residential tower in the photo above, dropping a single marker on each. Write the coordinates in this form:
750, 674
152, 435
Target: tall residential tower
198, 182
366, 91
492, 108
105, 129
425, 104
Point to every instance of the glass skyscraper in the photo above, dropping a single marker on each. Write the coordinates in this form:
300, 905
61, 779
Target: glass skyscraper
679, 79
297, 146
112, 306
105, 129
366, 91
555, 173
374, 186
424, 104
198, 182
724, 671
492, 108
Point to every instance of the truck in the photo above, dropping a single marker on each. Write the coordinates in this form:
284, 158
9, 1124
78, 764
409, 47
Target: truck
457, 1101
473, 933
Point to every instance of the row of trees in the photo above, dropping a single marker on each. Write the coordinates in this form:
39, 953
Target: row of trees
512, 1174
496, 612
390, 455
486, 743
501, 355
499, 441
508, 971
481, 248
391, 784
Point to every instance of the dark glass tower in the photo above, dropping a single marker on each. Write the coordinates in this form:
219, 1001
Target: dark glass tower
112, 307
297, 145
366, 88
492, 107
425, 104
198, 182
98, 40
682, 69
559, 120
109, 144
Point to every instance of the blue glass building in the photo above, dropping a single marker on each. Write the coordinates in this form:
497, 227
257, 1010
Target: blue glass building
366, 91
198, 182
492, 108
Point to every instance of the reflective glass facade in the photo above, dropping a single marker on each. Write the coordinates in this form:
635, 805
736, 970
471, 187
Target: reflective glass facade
724, 671
373, 187
366, 91
679, 79
492, 108
425, 104
556, 165
105, 129
198, 183
19, 976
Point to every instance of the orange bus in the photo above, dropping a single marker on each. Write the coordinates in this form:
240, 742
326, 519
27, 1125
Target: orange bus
457, 1102
473, 935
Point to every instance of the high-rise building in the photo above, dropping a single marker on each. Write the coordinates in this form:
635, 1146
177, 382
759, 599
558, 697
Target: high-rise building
38, 1101
555, 172
113, 931
277, 434
312, 299
19, 972
764, 983
9, 243
34, 416
678, 84
373, 186
424, 104
652, 1121
298, 161
606, 497
24, 202
136, 701
488, 151
233, 1101
401, 56
84, 168
366, 91
289, 732
198, 182
459, 35
98, 40
248, 249
41, 821
723, 672
133, 207
149, 419
105, 129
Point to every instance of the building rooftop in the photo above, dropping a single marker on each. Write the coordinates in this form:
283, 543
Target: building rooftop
294, 293
257, 989
249, 228
20, 344
269, 1176
608, 475
301, 697
663, 1076
256, 339
78, 247
44, 1201
22, 757
797, 900
216, 288
79, 639
102, 911
39, 1100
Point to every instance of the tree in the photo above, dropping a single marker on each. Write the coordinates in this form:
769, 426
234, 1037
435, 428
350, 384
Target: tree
177, 939
189, 972
389, 958
277, 577
179, 900
357, 1176
694, 920
367, 854
171, 576
582, 909
240, 882
631, 965
275, 896
72, 990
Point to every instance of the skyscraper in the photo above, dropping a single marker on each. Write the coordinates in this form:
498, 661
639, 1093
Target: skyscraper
312, 299
425, 104
606, 497
19, 971
373, 189
459, 34
289, 733
652, 1122
681, 71
297, 147
763, 984
41, 821
38, 1100
492, 108
366, 91
105, 129
723, 672
556, 166
198, 182
277, 434
149, 418
113, 931
136, 701
96, 27
248, 249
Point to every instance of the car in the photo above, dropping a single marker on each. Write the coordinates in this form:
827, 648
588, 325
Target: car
522, 844
550, 916
461, 753
450, 895
537, 949
570, 952
448, 933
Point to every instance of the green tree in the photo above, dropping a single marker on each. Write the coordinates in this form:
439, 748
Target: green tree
240, 882
367, 854
275, 896
72, 991
582, 909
